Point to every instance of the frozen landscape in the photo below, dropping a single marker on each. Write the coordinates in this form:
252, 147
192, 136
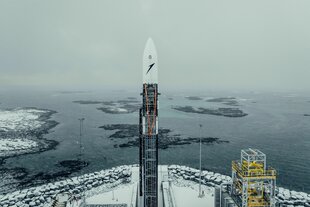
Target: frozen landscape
92, 112
20, 119
110, 183
21, 131
16, 146
109, 139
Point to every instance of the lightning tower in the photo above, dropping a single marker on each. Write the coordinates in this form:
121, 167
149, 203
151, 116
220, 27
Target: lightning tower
148, 122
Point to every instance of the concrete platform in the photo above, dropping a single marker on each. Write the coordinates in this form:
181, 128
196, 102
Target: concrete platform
172, 193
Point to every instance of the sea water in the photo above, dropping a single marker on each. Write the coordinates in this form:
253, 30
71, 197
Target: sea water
275, 124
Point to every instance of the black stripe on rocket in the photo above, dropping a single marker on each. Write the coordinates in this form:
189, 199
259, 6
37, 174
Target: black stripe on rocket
150, 67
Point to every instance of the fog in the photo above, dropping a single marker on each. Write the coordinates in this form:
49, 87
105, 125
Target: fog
205, 44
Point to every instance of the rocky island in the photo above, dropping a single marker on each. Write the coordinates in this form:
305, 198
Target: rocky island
193, 98
22, 130
231, 101
130, 132
129, 105
227, 112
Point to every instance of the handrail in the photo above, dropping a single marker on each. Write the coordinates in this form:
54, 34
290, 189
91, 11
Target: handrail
269, 172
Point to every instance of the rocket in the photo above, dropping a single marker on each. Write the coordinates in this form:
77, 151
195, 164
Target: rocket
150, 66
148, 129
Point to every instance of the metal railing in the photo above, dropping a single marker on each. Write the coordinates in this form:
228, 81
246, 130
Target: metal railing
236, 166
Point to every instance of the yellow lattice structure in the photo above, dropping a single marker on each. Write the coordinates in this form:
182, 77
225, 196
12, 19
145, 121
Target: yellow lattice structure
253, 183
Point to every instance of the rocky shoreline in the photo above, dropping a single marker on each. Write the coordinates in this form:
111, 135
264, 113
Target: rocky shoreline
42, 145
26, 139
43, 195
22, 132
67, 168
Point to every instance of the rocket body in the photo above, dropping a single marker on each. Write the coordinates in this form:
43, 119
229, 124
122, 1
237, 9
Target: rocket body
148, 128
150, 66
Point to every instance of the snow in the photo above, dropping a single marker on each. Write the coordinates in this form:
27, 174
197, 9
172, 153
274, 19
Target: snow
178, 193
121, 195
45, 194
284, 196
16, 126
16, 144
118, 109
121, 110
187, 195
100, 188
20, 119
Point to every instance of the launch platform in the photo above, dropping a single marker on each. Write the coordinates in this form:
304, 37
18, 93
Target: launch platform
171, 193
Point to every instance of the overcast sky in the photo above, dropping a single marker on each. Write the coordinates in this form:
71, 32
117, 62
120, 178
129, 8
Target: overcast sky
262, 44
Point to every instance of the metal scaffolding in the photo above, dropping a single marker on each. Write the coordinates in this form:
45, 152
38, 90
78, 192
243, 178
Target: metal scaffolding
149, 146
253, 182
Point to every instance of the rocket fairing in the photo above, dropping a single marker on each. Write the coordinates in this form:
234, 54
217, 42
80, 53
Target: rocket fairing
148, 129
150, 66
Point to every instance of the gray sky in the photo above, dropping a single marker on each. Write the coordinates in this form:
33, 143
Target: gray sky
262, 44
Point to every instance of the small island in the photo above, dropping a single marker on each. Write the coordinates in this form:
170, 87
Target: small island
124, 106
123, 109
87, 102
130, 132
227, 112
231, 101
193, 98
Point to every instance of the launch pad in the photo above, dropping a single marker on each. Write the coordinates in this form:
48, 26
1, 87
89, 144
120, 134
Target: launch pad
171, 193
252, 183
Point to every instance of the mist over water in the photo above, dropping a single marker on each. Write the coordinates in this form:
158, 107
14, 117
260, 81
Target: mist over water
275, 124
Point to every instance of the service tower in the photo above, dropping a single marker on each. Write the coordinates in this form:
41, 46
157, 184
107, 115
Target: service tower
254, 183
148, 180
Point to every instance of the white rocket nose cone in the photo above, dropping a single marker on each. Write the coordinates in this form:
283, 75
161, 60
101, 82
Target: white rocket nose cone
150, 67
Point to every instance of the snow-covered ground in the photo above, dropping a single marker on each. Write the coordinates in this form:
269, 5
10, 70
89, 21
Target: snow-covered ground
186, 194
177, 192
20, 119
8, 146
124, 194
21, 132
20, 128
88, 185
284, 196
112, 183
